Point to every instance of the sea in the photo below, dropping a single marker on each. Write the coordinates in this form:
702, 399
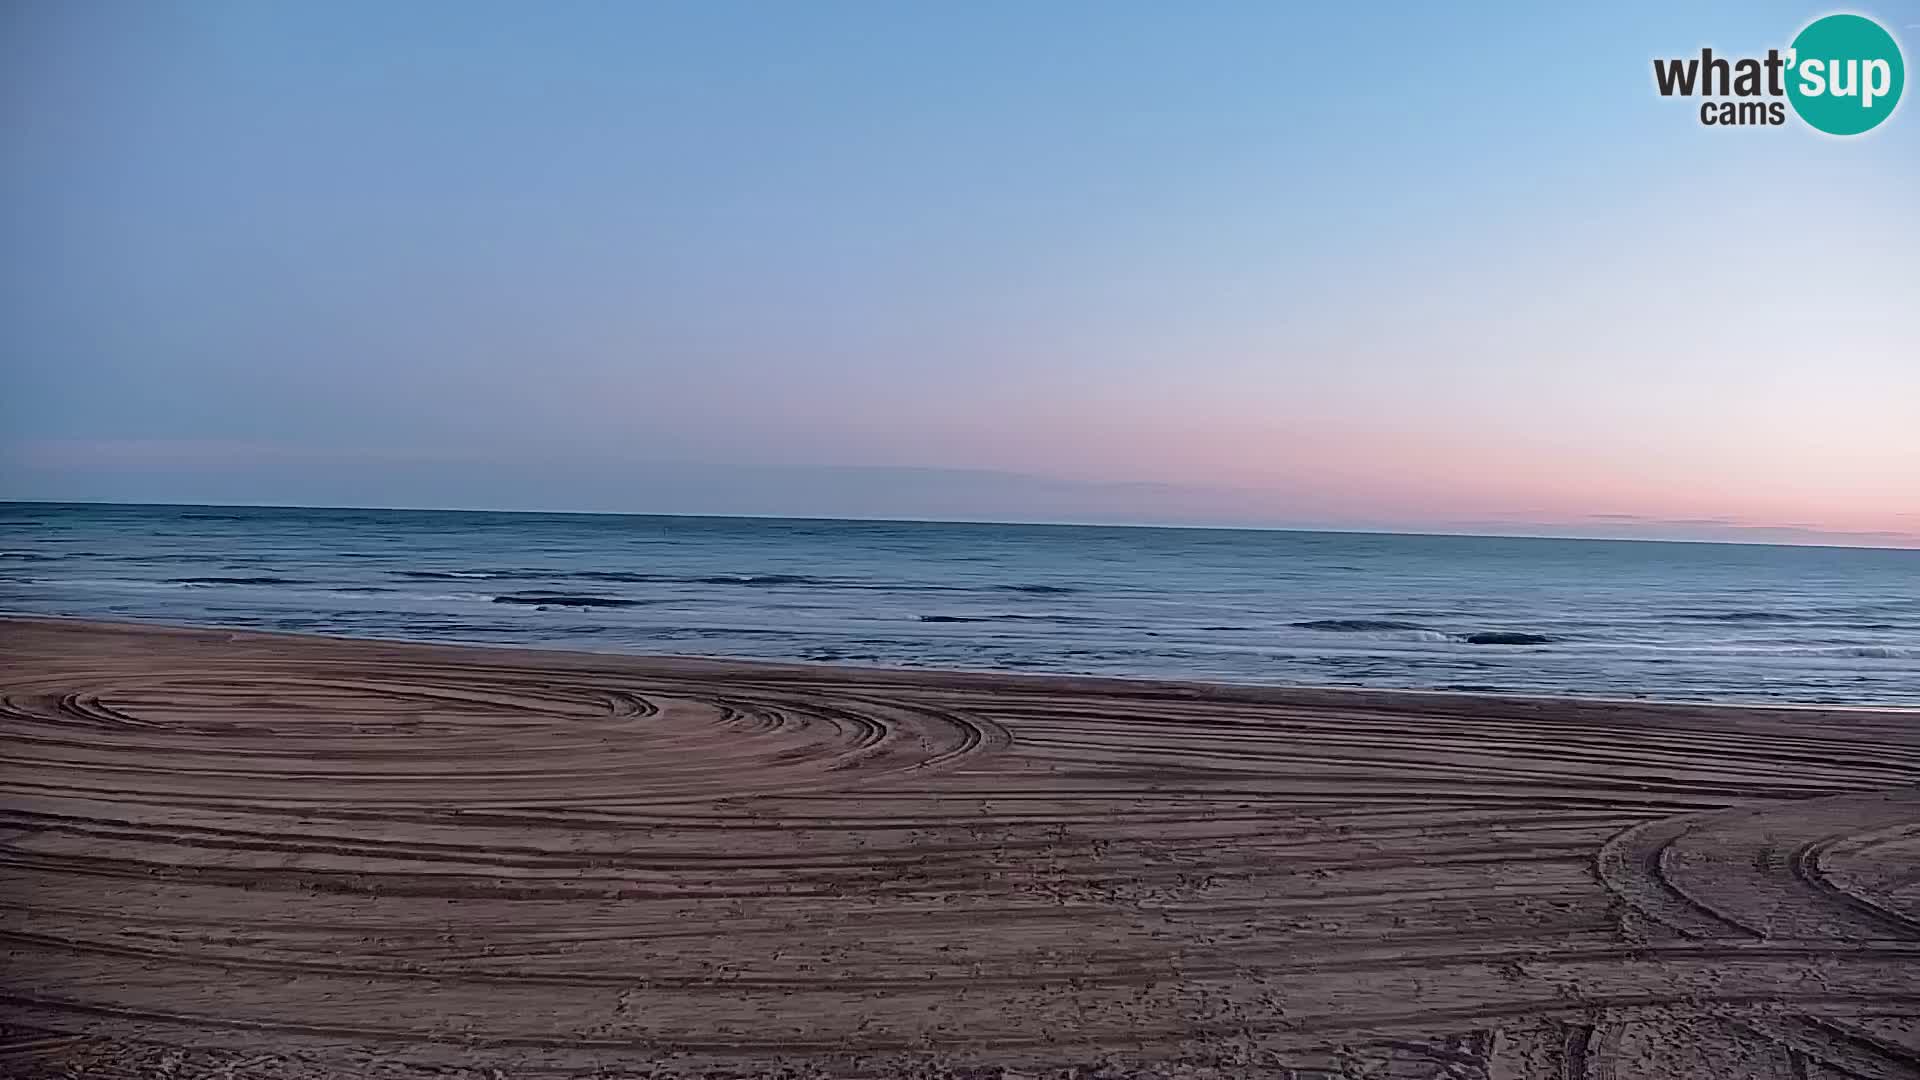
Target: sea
1607, 618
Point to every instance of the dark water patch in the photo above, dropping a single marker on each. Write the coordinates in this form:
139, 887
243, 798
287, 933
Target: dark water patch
828, 656
256, 579
1505, 637
1038, 590
27, 556
610, 575
362, 589
1356, 626
708, 632
1738, 616
579, 600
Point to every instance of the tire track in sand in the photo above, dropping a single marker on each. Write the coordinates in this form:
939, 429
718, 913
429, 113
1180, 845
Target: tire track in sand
249, 855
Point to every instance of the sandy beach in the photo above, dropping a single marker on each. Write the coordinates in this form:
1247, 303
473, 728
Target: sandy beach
253, 855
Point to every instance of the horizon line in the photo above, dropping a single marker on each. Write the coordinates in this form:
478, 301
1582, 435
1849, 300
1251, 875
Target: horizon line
1190, 526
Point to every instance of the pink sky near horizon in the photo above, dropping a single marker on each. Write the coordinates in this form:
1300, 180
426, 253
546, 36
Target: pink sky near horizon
1452, 492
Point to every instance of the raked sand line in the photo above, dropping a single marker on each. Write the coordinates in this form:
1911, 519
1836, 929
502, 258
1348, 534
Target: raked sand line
256, 855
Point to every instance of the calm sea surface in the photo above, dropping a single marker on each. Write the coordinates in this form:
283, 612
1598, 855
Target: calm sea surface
1613, 618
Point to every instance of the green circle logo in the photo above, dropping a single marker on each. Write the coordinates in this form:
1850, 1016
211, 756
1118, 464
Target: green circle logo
1845, 74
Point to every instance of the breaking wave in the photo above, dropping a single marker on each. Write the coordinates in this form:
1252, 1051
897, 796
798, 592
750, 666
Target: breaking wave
1393, 629
1356, 626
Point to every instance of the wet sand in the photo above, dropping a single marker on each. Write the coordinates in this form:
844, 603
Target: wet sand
249, 855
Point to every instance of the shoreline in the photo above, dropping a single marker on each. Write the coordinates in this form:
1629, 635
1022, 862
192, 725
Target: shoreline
1258, 692
266, 856
1266, 693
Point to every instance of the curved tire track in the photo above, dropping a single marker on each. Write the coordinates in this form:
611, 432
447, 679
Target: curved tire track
228, 849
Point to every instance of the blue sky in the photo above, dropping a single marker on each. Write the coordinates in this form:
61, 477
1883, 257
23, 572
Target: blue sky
1411, 266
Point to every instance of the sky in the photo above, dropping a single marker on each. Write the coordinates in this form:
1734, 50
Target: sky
1415, 267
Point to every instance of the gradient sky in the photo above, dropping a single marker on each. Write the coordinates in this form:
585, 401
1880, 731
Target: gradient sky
1396, 266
